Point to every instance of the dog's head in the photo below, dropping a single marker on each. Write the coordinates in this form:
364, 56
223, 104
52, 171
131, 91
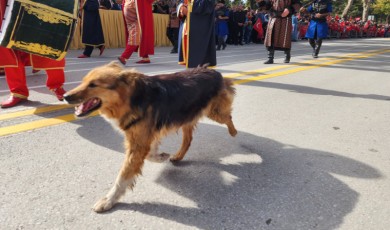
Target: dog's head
105, 88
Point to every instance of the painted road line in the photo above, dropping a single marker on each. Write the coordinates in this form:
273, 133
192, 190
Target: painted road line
295, 70
273, 68
29, 112
39, 124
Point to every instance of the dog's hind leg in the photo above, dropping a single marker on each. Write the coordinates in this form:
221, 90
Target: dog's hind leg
131, 168
154, 155
185, 145
220, 111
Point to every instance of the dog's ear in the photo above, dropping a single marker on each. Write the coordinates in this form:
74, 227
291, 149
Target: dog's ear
129, 77
115, 65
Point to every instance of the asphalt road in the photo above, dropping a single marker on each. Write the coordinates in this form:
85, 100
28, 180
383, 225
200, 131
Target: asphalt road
312, 152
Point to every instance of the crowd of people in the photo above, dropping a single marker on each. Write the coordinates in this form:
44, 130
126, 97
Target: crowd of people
214, 26
240, 25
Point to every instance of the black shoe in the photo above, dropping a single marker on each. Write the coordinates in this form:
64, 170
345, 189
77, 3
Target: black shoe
174, 51
223, 46
269, 61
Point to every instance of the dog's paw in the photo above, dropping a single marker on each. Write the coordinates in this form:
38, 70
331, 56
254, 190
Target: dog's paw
232, 132
158, 158
176, 158
103, 205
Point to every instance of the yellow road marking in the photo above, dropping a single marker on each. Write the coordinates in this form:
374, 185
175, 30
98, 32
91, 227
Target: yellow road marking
29, 112
70, 117
264, 70
290, 71
39, 124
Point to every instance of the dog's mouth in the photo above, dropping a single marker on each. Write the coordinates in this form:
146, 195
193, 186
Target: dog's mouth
87, 107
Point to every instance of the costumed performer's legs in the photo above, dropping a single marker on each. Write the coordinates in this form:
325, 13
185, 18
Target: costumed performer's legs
270, 53
88, 51
55, 81
16, 80
129, 50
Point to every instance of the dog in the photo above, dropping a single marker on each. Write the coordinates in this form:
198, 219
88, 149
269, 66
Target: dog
146, 108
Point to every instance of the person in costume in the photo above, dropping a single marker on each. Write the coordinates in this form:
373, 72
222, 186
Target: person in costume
197, 33
318, 27
278, 35
92, 33
138, 18
14, 62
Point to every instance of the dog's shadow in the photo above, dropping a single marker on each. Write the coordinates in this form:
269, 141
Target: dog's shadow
249, 182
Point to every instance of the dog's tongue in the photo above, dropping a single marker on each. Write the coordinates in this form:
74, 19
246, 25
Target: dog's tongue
86, 107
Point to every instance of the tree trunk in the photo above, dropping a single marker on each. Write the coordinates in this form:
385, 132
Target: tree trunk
366, 7
346, 9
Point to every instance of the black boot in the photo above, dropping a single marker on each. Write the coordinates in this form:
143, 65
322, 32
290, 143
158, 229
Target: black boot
271, 53
288, 56
312, 43
220, 41
317, 48
174, 50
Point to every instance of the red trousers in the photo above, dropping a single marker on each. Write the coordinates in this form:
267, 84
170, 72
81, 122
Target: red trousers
129, 50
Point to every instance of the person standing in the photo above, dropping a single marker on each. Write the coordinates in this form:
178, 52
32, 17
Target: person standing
318, 26
92, 34
221, 24
239, 18
173, 28
197, 33
138, 18
278, 35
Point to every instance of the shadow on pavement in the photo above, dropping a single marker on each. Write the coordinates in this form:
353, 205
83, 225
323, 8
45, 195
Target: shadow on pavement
248, 182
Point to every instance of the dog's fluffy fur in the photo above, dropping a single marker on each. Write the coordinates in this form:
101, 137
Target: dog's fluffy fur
146, 108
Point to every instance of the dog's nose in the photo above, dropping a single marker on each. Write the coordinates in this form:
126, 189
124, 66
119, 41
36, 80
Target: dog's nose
67, 98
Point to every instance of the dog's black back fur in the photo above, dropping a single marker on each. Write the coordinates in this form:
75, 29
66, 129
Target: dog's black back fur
176, 98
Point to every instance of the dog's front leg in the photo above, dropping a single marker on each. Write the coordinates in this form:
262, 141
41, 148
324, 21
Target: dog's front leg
131, 168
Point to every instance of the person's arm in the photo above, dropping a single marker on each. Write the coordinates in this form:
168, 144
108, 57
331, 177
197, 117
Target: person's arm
181, 10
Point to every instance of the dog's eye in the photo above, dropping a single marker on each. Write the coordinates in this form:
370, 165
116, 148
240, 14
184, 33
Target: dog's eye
92, 85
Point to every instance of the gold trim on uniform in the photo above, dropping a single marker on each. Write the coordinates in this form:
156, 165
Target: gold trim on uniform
47, 13
35, 48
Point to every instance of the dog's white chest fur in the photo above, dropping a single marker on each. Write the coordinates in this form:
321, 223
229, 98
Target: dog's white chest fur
114, 122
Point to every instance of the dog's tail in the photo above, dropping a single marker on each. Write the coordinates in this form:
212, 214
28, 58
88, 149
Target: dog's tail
228, 83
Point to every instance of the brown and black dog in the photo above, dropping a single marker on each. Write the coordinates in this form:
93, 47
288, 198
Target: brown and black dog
146, 108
